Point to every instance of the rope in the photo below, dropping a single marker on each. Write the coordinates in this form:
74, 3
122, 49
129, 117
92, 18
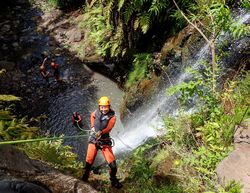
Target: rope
78, 126
113, 142
126, 145
40, 139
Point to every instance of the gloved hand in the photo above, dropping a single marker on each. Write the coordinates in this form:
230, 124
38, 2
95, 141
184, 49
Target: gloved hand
98, 134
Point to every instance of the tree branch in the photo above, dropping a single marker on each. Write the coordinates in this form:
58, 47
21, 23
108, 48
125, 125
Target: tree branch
195, 26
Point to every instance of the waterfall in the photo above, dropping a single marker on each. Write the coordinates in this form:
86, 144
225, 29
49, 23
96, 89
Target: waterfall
147, 121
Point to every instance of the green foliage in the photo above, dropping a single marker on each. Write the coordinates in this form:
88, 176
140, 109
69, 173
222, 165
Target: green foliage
238, 29
161, 155
207, 134
231, 187
12, 128
241, 93
216, 16
100, 32
206, 159
180, 21
245, 4
53, 152
141, 64
201, 85
9, 98
141, 173
65, 3
140, 167
113, 27
180, 131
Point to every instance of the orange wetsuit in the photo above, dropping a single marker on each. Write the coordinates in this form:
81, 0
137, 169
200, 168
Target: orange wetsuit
103, 123
55, 70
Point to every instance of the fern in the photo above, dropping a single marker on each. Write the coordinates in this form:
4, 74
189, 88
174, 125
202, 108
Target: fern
56, 154
12, 128
128, 13
116, 46
157, 6
120, 4
144, 22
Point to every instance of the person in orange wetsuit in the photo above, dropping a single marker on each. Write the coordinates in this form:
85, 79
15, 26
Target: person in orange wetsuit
102, 121
42, 69
55, 69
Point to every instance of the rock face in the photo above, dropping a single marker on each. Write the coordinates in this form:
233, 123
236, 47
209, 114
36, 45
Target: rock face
236, 166
16, 167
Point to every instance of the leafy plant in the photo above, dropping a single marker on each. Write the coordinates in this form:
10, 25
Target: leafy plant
211, 129
12, 128
141, 65
55, 153
9, 98
65, 3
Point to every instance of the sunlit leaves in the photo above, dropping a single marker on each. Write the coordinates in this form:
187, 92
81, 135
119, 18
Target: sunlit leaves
9, 98
144, 21
157, 6
55, 153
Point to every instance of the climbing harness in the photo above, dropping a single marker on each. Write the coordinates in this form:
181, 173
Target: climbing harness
105, 142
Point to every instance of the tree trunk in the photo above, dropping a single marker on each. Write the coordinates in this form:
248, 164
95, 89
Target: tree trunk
214, 64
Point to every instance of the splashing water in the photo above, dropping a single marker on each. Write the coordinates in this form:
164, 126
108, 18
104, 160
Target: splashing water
147, 121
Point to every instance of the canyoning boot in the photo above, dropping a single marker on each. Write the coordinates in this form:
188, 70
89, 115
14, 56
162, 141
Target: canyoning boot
85, 176
115, 182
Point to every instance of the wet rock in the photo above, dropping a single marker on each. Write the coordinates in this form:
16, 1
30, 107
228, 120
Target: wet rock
26, 56
4, 47
12, 186
58, 51
174, 45
16, 165
16, 46
163, 169
7, 65
74, 35
236, 166
5, 28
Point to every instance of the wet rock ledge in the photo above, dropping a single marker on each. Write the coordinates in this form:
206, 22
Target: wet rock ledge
18, 171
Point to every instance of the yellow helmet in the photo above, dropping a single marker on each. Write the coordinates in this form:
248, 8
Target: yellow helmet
104, 101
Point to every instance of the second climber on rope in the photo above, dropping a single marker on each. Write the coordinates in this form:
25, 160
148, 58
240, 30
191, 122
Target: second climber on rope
102, 122
76, 119
42, 68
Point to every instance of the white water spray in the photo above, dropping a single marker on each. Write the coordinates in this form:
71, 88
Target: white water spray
148, 122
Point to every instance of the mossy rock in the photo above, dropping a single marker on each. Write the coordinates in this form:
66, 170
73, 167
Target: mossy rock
137, 95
